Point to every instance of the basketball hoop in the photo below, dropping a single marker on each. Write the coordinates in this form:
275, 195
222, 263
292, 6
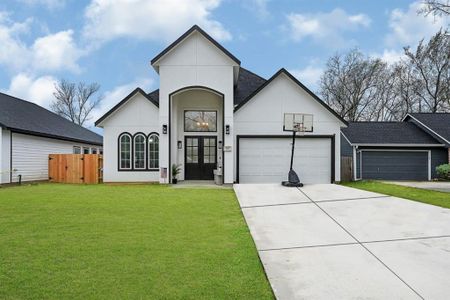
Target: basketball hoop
299, 128
299, 124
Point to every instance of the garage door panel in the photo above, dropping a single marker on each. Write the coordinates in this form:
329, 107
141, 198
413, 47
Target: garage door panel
266, 160
395, 165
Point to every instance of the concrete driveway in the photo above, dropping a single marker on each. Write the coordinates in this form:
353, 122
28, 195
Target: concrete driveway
333, 242
440, 186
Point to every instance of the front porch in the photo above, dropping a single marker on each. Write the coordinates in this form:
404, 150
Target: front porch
196, 133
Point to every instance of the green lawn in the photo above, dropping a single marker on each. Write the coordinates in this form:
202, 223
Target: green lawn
426, 196
126, 242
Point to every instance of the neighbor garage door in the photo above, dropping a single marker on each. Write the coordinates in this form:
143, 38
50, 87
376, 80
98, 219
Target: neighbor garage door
266, 160
395, 165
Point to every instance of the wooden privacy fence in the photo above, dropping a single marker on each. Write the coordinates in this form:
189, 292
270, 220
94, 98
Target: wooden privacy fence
346, 168
75, 168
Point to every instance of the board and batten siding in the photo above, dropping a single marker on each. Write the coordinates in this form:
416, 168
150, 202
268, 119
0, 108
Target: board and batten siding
138, 114
264, 113
30, 155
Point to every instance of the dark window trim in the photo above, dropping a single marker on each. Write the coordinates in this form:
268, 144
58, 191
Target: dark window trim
145, 150
148, 154
119, 168
284, 136
132, 169
198, 110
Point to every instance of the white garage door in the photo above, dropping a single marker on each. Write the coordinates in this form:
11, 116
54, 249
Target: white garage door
266, 160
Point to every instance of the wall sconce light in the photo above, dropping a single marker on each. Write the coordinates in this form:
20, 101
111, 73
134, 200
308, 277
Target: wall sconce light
180, 145
227, 129
219, 145
164, 129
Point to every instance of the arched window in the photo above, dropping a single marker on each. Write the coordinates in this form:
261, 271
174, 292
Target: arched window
139, 146
153, 151
125, 151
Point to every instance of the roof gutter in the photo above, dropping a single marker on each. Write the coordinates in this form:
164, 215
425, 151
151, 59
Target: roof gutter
51, 136
396, 145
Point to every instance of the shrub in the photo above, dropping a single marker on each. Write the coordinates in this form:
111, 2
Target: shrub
443, 171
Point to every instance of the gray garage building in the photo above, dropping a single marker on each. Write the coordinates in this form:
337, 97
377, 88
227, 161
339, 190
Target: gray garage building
393, 150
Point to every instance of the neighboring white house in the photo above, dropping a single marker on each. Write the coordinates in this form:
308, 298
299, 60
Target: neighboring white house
29, 133
210, 113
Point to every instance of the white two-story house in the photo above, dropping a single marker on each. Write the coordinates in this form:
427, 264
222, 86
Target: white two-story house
210, 113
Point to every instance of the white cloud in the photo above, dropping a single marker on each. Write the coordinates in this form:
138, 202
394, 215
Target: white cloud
309, 76
408, 28
53, 52
50, 4
324, 27
156, 20
390, 56
35, 89
13, 52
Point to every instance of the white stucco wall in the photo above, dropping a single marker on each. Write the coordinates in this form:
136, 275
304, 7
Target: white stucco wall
193, 100
264, 113
30, 155
196, 62
138, 114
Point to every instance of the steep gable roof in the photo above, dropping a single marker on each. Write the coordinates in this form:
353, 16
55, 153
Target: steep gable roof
395, 133
246, 84
297, 82
26, 117
185, 35
436, 123
118, 105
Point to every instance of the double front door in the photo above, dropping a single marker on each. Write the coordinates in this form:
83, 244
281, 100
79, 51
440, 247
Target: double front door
200, 157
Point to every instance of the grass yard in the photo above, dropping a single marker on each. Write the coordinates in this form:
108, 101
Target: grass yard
126, 242
426, 196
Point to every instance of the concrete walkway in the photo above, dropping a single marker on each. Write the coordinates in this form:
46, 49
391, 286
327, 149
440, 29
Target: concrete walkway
440, 186
333, 242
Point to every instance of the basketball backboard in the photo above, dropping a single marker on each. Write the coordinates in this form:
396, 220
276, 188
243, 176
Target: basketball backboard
298, 122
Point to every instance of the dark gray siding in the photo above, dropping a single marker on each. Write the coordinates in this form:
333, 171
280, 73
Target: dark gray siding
439, 156
346, 149
395, 165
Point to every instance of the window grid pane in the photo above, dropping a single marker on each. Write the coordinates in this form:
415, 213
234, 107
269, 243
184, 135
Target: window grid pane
139, 152
209, 151
125, 152
153, 151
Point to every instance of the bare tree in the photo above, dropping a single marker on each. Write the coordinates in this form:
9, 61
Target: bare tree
350, 85
75, 101
430, 64
435, 8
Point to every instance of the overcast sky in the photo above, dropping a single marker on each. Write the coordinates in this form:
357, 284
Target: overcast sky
112, 41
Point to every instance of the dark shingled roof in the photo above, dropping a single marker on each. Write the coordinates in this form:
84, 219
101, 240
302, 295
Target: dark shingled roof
438, 122
246, 84
386, 133
25, 117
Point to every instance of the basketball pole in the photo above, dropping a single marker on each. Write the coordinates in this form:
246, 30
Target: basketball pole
293, 148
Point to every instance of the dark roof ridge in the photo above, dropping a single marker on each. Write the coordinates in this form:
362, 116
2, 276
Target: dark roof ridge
186, 34
118, 105
296, 81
